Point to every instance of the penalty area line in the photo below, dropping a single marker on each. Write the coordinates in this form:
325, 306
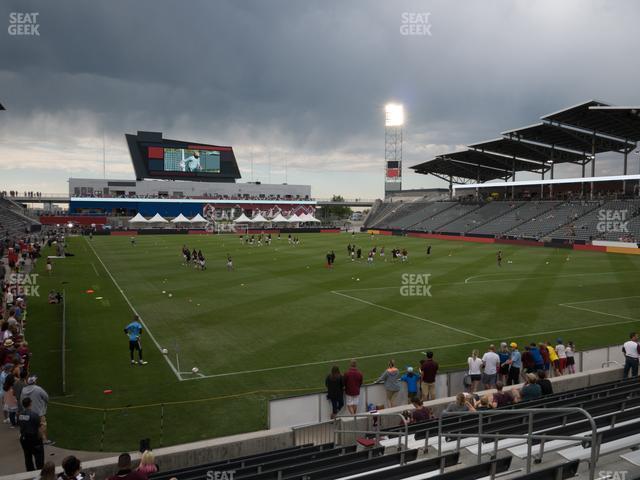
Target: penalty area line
173, 368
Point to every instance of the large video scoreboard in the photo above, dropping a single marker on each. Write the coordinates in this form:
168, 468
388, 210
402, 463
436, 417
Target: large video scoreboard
155, 157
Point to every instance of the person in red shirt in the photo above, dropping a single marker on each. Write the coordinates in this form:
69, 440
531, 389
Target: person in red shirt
429, 370
353, 380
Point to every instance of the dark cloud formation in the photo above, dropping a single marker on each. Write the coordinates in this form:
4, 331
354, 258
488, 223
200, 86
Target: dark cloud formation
304, 80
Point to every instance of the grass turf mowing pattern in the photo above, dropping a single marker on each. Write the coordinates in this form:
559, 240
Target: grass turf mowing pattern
281, 307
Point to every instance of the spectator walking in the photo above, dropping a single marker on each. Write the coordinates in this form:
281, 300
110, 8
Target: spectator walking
30, 437
491, 366
631, 351
475, 370
353, 380
391, 380
429, 370
413, 381
335, 390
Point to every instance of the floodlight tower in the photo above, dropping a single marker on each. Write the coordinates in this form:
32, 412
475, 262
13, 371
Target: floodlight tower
393, 122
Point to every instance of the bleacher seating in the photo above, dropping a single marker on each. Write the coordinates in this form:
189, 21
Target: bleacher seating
435, 222
515, 217
12, 220
553, 219
479, 217
614, 406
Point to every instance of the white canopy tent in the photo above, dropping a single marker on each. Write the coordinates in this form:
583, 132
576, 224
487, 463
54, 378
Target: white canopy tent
180, 219
138, 219
198, 219
294, 219
279, 219
259, 219
157, 218
242, 219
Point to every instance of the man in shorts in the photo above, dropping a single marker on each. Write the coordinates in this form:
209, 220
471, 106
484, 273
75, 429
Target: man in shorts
353, 380
134, 331
491, 364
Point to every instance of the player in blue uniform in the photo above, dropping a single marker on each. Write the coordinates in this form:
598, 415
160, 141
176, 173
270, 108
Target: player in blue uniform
134, 331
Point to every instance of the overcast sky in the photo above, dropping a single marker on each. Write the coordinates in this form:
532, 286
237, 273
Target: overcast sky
297, 82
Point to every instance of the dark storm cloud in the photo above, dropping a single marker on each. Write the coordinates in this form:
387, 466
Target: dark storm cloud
311, 78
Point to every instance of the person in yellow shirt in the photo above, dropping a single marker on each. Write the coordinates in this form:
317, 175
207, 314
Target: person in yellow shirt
553, 357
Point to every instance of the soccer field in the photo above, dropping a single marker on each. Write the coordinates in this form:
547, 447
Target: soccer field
276, 324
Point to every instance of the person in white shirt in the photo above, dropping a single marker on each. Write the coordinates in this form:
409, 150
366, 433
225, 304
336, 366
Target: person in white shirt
561, 351
631, 354
491, 364
475, 370
570, 351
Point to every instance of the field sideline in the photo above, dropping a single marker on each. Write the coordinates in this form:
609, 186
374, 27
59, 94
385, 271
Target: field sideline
276, 324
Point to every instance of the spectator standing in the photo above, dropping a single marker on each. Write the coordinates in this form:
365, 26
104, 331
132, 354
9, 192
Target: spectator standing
570, 351
475, 370
515, 365
631, 351
505, 356
413, 381
528, 362
39, 402
561, 351
491, 365
353, 380
391, 380
429, 372
335, 390
30, 437
553, 358
540, 357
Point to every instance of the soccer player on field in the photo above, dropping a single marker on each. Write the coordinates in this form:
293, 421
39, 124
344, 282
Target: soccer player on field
499, 258
134, 331
229, 263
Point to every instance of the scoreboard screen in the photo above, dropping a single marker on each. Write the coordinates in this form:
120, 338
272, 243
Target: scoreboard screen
183, 160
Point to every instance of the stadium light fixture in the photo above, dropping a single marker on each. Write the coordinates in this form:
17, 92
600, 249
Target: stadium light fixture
393, 115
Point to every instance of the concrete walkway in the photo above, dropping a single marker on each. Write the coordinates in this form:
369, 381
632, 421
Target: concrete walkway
12, 459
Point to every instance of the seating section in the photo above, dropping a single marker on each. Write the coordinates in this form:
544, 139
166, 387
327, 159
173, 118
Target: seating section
591, 225
12, 220
514, 217
552, 220
614, 407
435, 222
480, 216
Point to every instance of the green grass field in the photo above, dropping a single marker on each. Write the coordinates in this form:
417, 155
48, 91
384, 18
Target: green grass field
275, 325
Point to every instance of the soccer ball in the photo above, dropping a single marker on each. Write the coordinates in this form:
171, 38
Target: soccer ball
164, 291
170, 295
165, 351
547, 263
357, 279
195, 370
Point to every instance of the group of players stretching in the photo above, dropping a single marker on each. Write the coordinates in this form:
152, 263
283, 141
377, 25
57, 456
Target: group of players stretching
196, 259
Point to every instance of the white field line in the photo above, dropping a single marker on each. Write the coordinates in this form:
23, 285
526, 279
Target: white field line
421, 349
95, 269
468, 279
601, 313
175, 371
599, 300
415, 317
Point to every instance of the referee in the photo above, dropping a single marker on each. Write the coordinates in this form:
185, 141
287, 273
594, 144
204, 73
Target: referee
134, 331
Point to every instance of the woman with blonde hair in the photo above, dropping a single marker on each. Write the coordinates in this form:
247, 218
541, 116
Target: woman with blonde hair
475, 370
147, 463
391, 380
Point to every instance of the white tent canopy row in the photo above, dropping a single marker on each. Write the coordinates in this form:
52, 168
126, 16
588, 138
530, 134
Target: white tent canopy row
157, 218
279, 218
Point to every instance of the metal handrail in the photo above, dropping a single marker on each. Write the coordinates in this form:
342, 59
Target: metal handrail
610, 362
404, 433
593, 439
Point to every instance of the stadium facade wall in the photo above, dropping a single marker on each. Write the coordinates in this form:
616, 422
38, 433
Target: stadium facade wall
75, 219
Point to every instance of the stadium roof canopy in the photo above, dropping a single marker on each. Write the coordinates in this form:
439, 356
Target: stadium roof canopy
573, 135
